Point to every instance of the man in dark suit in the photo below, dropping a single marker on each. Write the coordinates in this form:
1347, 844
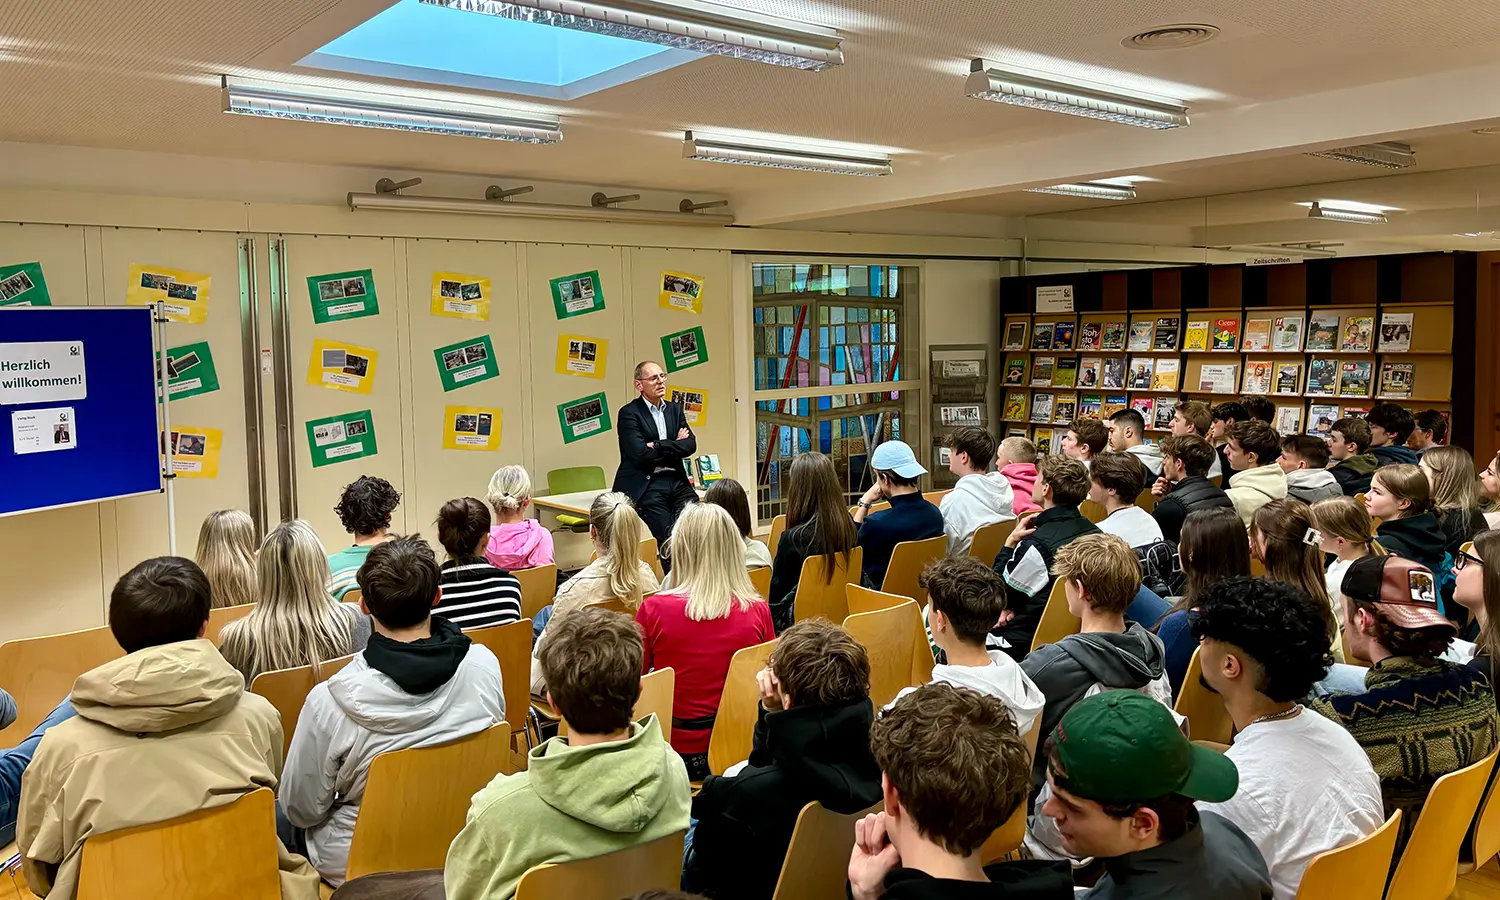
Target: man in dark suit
654, 441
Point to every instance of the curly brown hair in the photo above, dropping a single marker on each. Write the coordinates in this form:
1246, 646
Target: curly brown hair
819, 664
366, 505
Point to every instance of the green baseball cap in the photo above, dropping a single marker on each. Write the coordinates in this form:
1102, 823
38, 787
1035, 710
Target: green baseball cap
1124, 747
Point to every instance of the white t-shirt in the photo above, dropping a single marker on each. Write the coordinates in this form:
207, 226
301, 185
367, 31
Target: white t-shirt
1306, 786
1133, 524
1335, 580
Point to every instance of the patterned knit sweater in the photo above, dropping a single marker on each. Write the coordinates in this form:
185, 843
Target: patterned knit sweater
1418, 722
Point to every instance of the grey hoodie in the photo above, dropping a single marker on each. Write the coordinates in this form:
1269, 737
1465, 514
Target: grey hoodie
1312, 485
1066, 670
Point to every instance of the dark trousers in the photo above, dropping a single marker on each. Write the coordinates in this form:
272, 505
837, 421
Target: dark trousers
664, 500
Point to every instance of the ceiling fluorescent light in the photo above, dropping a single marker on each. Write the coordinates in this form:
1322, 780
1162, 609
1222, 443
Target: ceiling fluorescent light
372, 110
521, 209
681, 24
1093, 190
725, 150
1384, 155
986, 83
1318, 211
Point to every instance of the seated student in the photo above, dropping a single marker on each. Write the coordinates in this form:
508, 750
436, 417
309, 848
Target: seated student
1100, 575
1306, 786
1113, 480
476, 593
1123, 782
1226, 416
420, 681
609, 785
1127, 434
812, 743
226, 554
1349, 448
1477, 589
364, 509
1347, 534
1390, 425
980, 497
1215, 547
1017, 462
1194, 417
966, 598
1455, 495
1284, 540
1489, 488
1025, 562
1429, 429
1391, 619
516, 542
1260, 409
1086, 439
1304, 459
953, 770
1400, 498
727, 493
296, 623
910, 518
817, 524
166, 730
13, 762
1184, 485
1257, 479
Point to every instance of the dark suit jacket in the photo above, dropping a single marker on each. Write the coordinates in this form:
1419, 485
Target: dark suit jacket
636, 429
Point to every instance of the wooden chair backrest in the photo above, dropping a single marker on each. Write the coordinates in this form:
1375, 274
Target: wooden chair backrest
511, 644
816, 866
353, 595
907, 562
760, 576
1486, 834
623, 873
657, 688
538, 585
1145, 500
1056, 622
874, 508
1428, 869
1091, 511
416, 799
936, 497
651, 556
1356, 871
860, 599
734, 724
218, 618
287, 689
988, 539
614, 604
892, 638
1008, 837
226, 851
1257, 568
773, 540
39, 672
820, 595
1207, 718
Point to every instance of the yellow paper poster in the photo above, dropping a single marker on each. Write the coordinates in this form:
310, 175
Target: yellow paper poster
342, 367
186, 293
694, 403
460, 296
578, 355
471, 428
681, 291
195, 451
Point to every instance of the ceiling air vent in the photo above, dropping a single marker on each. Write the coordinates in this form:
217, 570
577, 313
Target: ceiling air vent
1172, 37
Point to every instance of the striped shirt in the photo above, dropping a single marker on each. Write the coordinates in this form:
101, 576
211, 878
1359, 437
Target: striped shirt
477, 594
343, 566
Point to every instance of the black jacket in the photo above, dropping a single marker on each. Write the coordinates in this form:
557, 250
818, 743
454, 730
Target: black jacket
1027, 568
745, 823
1418, 538
1213, 860
1353, 474
1028, 879
1192, 492
636, 429
1391, 454
797, 544
1459, 527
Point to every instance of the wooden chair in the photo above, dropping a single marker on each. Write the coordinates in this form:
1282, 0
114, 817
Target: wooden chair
39, 672
657, 688
648, 555
1208, 720
1257, 568
287, 689
353, 595
1356, 871
734, 724
778, 525
989, 539
1483, 842
1145, 500
860, 599
624, 873
936, 497
511, 644
1428, 869
896, 643
538, 585
225, 851
1091, 511
816, 866
1007, 839
907, 562
570, 481
874, 508
218, 618
416, 799
818, 594
1056, 622
760, 576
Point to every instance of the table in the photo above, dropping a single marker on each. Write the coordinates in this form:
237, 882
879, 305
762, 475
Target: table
576, 503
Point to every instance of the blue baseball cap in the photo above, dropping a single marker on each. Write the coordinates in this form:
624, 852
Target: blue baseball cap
895, 456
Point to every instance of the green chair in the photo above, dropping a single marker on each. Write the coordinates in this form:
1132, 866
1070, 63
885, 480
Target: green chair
575, 478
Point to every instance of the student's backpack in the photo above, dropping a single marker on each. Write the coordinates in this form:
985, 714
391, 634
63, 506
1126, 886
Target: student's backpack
1160, 570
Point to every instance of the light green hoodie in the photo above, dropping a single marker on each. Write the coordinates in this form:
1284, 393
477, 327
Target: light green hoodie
571, 803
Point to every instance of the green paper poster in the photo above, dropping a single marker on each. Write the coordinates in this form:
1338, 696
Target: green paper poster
343, 295
191, 371
574, 295
583, 417
341, 438
466, 362
684, 349
23, 285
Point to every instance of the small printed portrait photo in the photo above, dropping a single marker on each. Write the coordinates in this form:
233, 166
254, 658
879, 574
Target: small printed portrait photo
486, 423
583, 288
358, 366
583, 412
454, 359
331, 290
589, 351
15, 285
328, 433
476, 353
466, 424
334, 359
152, 281
575, 349
692, 401
62, 433
182, 291
451, 290
471, 291
354, 287
191, 444
358, 427
685, 344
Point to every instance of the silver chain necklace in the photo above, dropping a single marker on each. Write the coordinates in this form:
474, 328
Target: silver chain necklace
1277, 717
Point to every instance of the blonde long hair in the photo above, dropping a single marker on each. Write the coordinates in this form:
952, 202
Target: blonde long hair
617, 530
1455, 483
1347, 518
708, 563
226, 554
1283, 526
297, 622
510, 489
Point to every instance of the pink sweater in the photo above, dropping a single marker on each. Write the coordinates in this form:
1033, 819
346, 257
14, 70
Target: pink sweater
1022, 478
523, 545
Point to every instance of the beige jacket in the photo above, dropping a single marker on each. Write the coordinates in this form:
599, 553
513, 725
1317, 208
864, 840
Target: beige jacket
589, 587
160, 733
1251, 489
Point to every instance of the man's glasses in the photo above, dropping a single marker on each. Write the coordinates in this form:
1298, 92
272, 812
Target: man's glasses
661, 377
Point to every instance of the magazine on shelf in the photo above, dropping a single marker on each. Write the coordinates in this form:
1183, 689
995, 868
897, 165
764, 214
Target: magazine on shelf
1257, 335
1323, 333
1226, 334
1218, 379
1015, 335
1356, 412
1257, 377
1140, 335
1065, 409
1114, 373
1395, 332
1166, 333
1015, 431
1354, 379
1065, 373
1358, 334
962, 368
1288, 378
1320, 418
1015, 371
1113, 403
1091, 372
1322, 377
1165, 376
1114, 336
1141, 368
1041, 336
1286, 335
1088, 336
1165, 407
1289, 419
1396, 380
1090, 406
1041, 370
1145, 406
1041, 407
1044, 438
1062, 335
1015, 406
1195, 340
